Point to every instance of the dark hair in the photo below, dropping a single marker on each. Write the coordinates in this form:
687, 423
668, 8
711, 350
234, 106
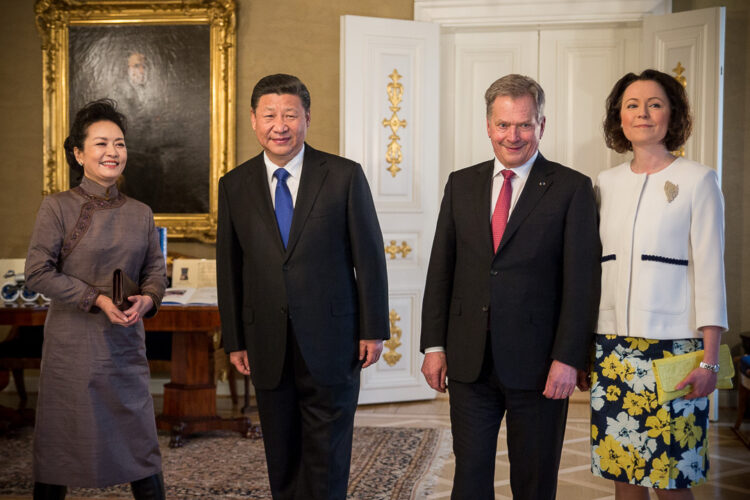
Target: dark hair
515, 86
95, 111
280, 84
680, 121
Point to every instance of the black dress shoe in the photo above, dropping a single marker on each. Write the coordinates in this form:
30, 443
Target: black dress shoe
149, 488
44, 491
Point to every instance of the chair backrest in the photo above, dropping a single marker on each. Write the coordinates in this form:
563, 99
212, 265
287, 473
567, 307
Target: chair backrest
745, 337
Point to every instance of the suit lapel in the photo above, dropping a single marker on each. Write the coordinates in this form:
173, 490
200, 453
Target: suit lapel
540, 179
256, 184
481, 195
314, 170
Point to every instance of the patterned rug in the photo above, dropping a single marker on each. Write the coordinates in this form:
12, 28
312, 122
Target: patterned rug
387, 463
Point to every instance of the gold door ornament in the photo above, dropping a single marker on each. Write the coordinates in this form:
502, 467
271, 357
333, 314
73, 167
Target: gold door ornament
678, 71
391, 357
60, 21
393, 154
392, 250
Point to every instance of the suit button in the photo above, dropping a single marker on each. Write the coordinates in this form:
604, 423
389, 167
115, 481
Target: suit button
485, 308
283, 310
493, 273
285, 267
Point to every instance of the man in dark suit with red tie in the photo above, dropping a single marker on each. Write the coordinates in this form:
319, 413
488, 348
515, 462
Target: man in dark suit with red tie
511, 299
303, 291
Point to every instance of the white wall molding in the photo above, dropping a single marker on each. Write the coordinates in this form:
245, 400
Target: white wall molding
493, 13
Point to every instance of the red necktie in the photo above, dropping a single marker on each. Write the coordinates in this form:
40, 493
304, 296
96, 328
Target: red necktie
502, 208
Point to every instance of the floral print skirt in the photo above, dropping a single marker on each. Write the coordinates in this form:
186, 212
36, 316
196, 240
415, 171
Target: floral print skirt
634, 439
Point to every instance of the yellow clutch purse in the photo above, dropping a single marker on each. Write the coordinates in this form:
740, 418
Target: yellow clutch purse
671, 370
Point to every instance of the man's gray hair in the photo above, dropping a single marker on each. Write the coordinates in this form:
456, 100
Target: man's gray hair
515, 86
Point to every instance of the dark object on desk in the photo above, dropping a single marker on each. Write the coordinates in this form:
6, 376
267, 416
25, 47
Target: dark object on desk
122, 288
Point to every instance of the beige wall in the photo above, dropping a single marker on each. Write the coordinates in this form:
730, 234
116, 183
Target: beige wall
20, 126
300, 37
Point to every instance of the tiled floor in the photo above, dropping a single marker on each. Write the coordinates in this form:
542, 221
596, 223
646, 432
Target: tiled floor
729, 478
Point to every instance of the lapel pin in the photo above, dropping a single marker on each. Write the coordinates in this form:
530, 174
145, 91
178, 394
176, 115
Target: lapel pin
671, 190
542, 183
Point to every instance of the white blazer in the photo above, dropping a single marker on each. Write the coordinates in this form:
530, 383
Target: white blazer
662, 251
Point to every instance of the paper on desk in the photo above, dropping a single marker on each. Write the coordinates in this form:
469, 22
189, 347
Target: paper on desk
193, 273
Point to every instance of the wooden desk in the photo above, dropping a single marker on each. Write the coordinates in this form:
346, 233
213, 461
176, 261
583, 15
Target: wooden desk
190, 395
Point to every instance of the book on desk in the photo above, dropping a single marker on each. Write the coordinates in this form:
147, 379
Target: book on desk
188, 296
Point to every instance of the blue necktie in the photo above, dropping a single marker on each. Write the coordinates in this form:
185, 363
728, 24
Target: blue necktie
284, 206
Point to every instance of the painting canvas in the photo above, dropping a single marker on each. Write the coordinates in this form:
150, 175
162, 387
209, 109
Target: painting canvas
160, 78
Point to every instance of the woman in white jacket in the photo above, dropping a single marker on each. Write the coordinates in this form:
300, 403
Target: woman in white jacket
663, 293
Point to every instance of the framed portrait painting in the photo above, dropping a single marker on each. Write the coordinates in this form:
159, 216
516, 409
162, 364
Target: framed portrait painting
170, 66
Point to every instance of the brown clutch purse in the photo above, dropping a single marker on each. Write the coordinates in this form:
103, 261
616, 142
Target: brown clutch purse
122, 288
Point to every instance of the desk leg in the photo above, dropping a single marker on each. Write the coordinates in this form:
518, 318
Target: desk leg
190, 396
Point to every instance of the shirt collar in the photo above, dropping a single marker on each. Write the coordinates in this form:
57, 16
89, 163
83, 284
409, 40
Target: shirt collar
521, 171
96, 189
293, 167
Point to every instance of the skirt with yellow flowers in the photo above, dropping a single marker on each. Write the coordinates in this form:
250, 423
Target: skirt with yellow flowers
634, 439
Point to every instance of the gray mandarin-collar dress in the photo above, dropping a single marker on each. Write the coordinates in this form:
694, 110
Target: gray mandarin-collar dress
95, 423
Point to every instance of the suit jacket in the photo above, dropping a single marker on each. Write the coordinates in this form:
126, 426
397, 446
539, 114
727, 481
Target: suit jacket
330, 283
538, 295
662, 263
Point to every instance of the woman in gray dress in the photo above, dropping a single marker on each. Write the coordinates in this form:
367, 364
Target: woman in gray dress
95, 423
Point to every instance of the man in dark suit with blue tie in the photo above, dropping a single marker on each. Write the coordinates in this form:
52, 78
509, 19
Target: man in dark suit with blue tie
511, 299
303, 291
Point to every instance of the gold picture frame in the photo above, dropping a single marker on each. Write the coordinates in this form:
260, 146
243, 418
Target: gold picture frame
56, 18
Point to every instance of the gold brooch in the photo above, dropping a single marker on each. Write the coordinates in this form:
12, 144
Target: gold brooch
671, 190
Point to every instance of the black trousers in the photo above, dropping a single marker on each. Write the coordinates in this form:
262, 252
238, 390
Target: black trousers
307, 432
535, 425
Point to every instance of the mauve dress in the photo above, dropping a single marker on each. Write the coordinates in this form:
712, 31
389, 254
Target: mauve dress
95, 423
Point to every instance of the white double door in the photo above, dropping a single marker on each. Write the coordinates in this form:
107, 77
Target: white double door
578, 66
412, 111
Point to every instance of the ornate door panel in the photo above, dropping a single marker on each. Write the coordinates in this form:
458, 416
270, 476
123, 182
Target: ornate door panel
389, 123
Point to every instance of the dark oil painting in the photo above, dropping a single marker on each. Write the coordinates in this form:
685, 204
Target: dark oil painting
160, 77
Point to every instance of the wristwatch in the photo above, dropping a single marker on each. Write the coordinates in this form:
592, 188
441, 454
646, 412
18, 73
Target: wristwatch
707, 366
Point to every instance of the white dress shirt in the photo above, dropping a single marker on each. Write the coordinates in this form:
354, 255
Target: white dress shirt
517, 182
294, 167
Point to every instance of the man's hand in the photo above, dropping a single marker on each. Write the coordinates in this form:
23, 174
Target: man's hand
369, 350
561, 381
434, 369
239, 360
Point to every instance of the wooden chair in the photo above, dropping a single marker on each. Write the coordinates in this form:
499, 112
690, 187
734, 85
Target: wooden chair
21, 350
743, 390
